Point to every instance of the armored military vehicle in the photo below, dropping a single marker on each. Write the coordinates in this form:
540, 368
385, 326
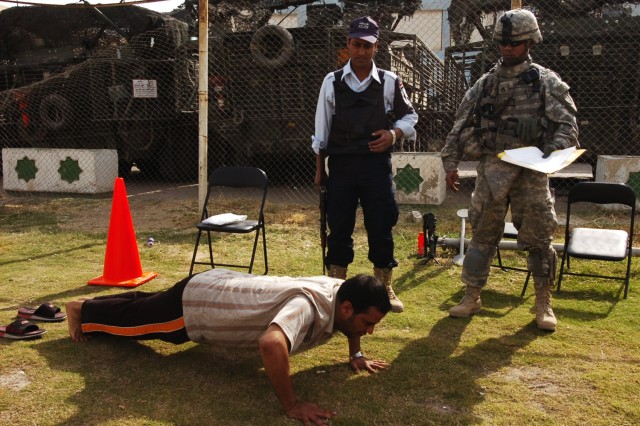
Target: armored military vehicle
264, 84
116, 78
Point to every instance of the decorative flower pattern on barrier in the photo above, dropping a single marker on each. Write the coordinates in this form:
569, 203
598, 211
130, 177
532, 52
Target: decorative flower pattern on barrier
69, 170
634, 182
408, 179
26, 169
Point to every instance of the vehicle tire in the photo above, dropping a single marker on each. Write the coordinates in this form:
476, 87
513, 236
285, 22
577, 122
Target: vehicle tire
238, 116
272, 46
55, 111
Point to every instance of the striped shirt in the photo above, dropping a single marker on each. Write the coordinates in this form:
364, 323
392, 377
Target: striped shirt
234, 309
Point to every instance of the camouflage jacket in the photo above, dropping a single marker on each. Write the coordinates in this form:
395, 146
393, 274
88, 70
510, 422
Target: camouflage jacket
511, 107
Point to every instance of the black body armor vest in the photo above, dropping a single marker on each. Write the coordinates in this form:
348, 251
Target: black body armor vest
357, 115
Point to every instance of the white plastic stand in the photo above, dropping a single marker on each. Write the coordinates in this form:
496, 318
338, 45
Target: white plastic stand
459, 258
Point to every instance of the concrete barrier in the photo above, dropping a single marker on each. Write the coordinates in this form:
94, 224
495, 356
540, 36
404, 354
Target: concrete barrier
419, 177
89, 171
620, 169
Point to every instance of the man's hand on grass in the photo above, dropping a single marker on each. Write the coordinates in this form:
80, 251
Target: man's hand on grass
309, 413
370, 365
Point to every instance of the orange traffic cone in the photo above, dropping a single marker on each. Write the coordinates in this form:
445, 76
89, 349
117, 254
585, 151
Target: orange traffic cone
122, 260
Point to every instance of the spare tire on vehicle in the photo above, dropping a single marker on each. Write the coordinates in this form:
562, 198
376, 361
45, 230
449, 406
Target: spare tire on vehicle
54, 112
272, 46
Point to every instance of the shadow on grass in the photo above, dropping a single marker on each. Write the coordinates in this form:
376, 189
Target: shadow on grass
85, 291
52, 253
495, 304
451, 375
590, 305
432, 381
138, 382
414, 277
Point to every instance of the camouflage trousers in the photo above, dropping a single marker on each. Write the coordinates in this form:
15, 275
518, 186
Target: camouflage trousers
499, 186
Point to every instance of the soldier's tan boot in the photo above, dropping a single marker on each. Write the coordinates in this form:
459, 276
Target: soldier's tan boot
469, 305
336, 271
385, 275
545, 317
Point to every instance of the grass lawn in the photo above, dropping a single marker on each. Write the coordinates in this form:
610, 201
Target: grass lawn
495, 368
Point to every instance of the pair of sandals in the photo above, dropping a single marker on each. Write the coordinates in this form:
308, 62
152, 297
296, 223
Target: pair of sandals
23, 328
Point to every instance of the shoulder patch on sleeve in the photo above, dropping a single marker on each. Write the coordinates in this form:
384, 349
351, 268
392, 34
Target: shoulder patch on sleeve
559, 90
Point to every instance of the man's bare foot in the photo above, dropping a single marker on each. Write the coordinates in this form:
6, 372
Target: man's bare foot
73, 320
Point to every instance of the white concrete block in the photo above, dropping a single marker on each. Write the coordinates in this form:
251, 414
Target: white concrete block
419, 177
620, 169
616, 168
89, 171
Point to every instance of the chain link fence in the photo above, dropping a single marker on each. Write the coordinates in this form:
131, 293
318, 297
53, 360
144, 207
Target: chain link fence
126, 79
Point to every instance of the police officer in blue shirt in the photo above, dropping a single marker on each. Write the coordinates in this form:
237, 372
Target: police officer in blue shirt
354, 129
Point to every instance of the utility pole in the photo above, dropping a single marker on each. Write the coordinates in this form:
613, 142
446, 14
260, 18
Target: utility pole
203, 101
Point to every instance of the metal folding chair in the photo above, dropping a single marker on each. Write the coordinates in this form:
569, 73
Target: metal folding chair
606, 244
238, 178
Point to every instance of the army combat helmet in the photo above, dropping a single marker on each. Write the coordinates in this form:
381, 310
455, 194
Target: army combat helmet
517, 25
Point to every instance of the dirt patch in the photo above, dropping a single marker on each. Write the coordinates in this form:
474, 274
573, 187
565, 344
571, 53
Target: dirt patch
535, 378
14, 380
153, 205
156, 205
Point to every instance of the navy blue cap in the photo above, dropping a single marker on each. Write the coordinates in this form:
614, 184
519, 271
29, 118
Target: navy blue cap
364, 28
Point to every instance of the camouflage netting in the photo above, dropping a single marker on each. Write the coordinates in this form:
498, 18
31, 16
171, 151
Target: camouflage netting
24, 29
126, 78
467, 16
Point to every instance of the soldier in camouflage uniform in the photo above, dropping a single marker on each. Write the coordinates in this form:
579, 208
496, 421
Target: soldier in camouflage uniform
516, 104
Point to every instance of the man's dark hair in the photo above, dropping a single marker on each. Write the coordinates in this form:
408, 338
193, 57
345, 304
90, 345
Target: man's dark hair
365, 291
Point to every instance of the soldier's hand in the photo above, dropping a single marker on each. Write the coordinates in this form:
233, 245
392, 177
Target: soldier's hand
452, 180
549, 148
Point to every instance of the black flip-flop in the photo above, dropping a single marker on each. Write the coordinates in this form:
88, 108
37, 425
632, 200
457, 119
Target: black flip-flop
21, 329
45, 312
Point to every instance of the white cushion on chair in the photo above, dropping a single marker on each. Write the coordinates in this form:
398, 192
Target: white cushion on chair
605, 244
510, 231
224, 219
